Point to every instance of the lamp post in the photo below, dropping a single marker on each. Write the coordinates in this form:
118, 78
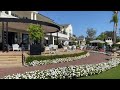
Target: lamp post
22, 55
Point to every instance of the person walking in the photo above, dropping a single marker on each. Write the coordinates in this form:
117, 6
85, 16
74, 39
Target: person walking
104, 48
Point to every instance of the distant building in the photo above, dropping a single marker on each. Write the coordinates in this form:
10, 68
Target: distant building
64, 34
81, 41
109, 41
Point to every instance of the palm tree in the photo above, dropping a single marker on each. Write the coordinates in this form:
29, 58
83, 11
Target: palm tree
115, 20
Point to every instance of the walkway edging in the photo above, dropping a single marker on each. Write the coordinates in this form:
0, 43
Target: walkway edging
59, 60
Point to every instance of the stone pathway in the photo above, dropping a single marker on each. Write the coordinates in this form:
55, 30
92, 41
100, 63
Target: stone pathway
92, 59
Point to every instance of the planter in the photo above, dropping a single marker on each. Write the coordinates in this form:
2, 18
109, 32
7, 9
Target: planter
35, 49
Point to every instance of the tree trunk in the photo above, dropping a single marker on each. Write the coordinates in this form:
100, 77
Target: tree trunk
115, 29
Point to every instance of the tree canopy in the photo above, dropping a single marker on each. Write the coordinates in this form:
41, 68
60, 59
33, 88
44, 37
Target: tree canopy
91, 33
105, 35
35, 32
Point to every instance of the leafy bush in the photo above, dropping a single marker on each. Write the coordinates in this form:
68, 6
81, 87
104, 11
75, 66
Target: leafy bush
58, 60
100, 45
41, 58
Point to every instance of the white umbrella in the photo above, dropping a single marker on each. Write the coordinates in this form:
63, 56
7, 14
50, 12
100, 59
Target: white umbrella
118, 43
66, 43
97, 41
64, 39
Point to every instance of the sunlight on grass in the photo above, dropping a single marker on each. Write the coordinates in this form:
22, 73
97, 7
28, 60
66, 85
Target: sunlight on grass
110, 74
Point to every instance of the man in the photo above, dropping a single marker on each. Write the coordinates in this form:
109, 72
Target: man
104, 48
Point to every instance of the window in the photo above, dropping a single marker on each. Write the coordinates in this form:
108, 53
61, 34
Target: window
64, 32
6, 12
25, 38
25, 18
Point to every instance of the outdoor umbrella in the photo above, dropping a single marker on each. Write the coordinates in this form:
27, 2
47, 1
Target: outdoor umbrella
63, 39
118, 43
97, 41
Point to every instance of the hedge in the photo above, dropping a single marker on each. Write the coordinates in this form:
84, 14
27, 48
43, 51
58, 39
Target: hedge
51, 57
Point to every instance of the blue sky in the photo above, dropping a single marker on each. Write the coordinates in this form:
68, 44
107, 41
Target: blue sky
81, 20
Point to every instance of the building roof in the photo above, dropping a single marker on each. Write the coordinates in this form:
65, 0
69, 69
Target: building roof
27, 14
22, 24
65, 25
40, 17
21, 14
44, 18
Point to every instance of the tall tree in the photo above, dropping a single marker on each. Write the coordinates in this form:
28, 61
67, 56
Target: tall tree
102, 36
105, 35
115, 21
91, 33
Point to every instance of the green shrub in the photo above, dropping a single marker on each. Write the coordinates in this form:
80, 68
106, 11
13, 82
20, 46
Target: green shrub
39, 58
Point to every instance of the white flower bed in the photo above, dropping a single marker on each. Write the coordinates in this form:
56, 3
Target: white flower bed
68, 72
58, 60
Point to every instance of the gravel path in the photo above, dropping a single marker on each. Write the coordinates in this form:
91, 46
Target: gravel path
92, 59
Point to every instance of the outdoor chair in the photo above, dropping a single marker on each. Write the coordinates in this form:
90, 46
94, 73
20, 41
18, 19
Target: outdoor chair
65, 48
69, 48
16, 47
47, 49
81, 47
53, 48
74, 47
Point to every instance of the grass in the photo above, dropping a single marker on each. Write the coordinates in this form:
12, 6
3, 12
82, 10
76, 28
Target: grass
113, 73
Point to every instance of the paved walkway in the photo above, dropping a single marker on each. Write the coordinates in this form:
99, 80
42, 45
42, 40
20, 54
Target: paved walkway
92, 59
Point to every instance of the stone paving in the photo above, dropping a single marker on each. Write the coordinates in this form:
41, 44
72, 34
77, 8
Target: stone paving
94, 58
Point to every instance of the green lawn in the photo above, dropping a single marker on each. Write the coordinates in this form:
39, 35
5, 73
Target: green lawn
113, 73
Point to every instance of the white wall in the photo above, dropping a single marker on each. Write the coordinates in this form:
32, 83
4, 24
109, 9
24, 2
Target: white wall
68, 30
110, 42
59, 35
4, 15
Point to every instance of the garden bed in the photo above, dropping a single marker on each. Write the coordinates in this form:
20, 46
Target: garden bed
68, 72
43, 60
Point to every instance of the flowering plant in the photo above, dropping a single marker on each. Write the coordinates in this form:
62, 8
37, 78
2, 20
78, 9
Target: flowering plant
58, 60
68, 72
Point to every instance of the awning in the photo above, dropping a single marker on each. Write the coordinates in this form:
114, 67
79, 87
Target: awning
22, 24
97, 41
63, 39
118, 43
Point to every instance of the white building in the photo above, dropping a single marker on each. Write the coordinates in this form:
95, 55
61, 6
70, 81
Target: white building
50, 38
67, 30
64, 34
18, 31
109, 41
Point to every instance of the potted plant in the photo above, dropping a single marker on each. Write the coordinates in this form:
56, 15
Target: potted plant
36, 34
